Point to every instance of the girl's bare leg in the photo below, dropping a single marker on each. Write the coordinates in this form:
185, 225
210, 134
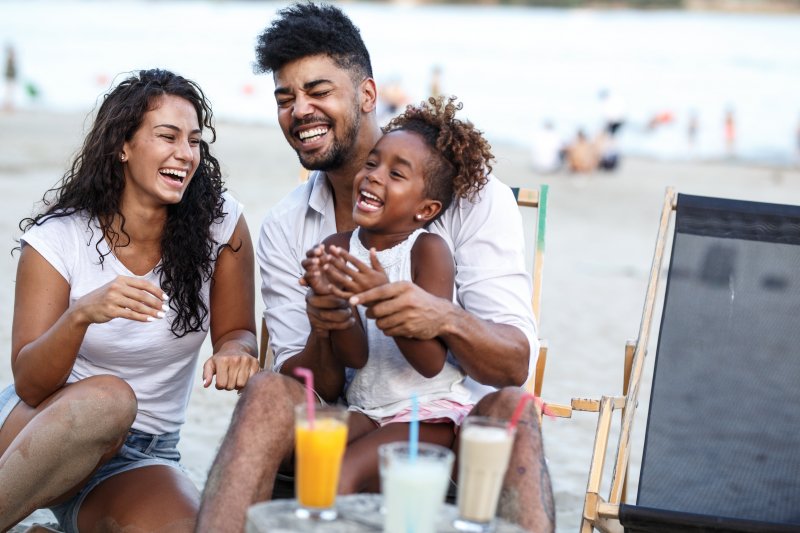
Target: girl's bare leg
360, 472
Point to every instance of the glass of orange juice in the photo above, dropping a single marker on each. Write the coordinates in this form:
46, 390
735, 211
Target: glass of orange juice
319, 447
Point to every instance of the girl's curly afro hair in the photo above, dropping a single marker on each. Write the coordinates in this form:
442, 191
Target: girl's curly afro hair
462, 156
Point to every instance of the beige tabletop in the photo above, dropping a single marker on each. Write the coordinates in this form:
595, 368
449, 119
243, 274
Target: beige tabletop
357, 513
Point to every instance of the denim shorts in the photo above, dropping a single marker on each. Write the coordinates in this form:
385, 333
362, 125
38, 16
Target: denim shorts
140, 449
8, 401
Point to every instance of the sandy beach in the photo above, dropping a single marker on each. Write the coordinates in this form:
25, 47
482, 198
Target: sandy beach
601, 232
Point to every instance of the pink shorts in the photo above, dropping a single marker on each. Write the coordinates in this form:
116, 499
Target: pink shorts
433, 412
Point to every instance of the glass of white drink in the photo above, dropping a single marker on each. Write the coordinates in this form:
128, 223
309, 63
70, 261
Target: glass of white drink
483, 457
413, 485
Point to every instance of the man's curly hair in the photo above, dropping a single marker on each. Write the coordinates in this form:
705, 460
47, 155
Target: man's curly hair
462, 156
94, 183
309, 29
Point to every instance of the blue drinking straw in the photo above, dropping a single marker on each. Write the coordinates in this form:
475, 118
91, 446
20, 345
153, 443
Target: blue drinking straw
413, 430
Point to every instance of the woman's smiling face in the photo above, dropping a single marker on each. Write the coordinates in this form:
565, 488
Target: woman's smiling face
164, 153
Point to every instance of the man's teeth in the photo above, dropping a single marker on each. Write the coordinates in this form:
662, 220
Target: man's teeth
180, 174
316, 132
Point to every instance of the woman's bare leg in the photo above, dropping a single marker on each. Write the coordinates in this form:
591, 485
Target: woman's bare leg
148, 499
49, 451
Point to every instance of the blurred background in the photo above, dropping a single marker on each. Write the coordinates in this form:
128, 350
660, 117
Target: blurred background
608, 103
685, 79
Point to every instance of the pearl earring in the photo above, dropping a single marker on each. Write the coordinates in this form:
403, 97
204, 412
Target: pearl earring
122, 157
418, 216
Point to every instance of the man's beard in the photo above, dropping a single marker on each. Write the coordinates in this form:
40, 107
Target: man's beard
340, 152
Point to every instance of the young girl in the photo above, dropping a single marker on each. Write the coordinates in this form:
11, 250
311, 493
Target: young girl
425, 159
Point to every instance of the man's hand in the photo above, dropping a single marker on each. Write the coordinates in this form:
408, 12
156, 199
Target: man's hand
402, 309
328, 312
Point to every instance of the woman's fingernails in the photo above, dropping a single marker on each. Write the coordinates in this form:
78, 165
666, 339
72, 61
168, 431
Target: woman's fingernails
151, 319
161, 314
165, 307
165, 297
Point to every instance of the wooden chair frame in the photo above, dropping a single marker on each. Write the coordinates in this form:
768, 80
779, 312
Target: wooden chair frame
537, 198
598, 512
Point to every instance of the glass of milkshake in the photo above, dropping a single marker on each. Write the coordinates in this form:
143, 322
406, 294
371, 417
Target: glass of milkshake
483, 456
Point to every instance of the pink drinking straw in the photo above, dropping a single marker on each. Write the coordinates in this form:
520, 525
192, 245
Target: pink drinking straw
308, 377
521, 405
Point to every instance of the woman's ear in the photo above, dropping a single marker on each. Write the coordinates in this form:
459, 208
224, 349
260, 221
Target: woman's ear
428, 210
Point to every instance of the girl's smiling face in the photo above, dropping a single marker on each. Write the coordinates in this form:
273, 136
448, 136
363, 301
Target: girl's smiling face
389, 192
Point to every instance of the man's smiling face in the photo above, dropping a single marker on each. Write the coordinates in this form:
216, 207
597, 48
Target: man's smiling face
318, 111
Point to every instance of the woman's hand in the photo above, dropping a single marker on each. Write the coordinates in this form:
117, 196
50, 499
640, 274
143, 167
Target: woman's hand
124, 297
232, 367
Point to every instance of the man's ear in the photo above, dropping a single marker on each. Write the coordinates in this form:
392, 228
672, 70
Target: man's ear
369, 95
428, 210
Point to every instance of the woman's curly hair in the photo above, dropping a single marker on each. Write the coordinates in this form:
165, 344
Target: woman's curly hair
464, 155
94, 183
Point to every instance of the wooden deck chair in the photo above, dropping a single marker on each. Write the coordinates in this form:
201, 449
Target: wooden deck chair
722, 442
536, 198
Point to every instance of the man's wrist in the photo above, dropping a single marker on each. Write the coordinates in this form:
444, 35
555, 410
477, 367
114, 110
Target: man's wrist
449, 319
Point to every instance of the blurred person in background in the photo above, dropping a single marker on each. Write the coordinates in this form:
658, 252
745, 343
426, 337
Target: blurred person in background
729, 132
547, 149
10, 78
692, 129
436, 81
581, 154
613, 111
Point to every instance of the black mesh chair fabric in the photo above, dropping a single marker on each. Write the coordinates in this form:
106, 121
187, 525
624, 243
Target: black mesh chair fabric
722, 446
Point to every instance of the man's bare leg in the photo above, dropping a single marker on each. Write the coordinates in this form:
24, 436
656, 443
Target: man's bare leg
527, 496
260, 437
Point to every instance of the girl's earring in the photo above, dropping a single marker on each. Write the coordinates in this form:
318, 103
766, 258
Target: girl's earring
122, 157
418, 216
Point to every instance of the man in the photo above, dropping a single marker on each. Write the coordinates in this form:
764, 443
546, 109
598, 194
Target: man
326, 108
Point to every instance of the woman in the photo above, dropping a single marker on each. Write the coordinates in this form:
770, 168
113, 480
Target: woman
138, 254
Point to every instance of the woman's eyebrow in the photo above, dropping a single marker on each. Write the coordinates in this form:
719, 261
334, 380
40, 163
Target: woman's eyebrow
176, 128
